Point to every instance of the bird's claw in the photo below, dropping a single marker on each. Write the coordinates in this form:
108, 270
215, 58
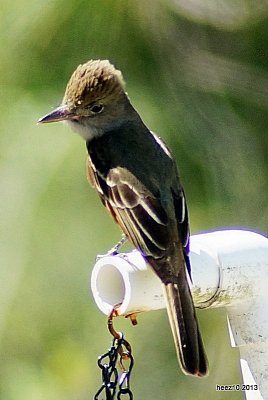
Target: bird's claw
114, 250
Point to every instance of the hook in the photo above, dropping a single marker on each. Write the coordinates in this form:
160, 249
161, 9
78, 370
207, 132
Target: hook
114, 313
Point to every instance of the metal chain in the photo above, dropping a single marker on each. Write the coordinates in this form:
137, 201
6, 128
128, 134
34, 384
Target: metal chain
124, 381
119, 352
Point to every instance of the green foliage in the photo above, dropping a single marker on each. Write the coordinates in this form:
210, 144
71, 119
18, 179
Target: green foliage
197, 73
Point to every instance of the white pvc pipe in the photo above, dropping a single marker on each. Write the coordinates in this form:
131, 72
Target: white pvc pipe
225, 269
229, 268
126, 279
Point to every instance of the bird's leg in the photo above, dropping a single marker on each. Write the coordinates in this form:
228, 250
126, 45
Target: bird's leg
114, 250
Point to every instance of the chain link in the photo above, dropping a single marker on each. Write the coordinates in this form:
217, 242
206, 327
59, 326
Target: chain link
119, 353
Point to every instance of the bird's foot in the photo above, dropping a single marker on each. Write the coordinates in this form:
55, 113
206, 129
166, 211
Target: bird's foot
114, 250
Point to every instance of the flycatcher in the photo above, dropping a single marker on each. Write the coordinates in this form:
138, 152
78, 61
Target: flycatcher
137, 180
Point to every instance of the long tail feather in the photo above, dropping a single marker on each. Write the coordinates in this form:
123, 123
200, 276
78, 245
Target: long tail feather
185, 329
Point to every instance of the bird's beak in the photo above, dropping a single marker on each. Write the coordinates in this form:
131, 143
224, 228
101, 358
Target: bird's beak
60, 113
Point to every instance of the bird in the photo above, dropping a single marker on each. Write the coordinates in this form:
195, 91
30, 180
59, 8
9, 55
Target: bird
137, 180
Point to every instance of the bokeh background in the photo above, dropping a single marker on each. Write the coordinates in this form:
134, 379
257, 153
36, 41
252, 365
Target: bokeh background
197, 73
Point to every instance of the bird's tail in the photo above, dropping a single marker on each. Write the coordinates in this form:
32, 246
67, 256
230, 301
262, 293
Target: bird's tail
184, 325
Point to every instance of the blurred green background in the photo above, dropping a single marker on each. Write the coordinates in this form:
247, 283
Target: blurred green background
197, 73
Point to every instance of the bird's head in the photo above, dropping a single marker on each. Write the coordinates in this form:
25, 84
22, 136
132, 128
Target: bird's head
94, 100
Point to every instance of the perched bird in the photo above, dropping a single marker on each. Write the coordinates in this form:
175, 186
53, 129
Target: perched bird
137, 180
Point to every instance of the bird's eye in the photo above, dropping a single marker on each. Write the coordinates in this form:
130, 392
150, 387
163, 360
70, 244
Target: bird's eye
96, 108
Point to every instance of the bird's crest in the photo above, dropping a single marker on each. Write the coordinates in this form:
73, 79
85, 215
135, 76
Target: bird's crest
93, 81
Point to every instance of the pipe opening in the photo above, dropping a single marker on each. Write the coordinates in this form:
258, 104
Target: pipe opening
110, 285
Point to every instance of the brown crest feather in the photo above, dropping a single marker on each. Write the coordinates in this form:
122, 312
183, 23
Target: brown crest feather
93, 81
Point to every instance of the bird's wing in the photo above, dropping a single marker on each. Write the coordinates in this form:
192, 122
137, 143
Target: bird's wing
93, 179
139, 213
181, 213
